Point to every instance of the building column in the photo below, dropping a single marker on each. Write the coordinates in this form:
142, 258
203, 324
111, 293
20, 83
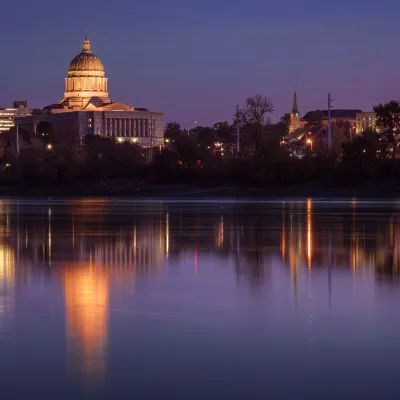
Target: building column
142, 128
113, 126
125, 127
136, 130
130, 127
117, 127
107, 127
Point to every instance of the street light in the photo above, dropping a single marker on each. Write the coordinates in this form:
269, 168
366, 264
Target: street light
49, 147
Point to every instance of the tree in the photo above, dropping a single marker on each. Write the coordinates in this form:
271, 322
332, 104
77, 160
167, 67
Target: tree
257, 110
253, 117
340, 133
362, 156
173, 131
388, 123
203, 135
224, 132
285, 121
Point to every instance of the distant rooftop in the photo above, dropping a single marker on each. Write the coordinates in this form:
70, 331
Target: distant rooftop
335, 113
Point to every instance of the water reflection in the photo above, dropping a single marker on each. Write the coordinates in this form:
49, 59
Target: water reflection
86, 303
7, 283
96, 246
143, 236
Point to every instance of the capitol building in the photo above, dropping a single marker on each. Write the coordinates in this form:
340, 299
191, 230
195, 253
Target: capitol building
86, 108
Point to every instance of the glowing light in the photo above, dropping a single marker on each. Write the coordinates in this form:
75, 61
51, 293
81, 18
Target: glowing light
309, 141
167, 140
120, 140
49, 146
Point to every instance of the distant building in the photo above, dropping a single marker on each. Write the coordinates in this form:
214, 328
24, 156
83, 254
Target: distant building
87, 108
365, 121
296, 122
336, 115
20, 104
8, 115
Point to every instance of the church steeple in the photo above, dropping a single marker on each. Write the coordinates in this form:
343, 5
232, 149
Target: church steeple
295, 109
295, 121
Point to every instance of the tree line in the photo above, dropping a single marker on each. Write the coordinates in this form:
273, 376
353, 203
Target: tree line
207, 155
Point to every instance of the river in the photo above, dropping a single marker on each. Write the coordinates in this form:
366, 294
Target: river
111, 299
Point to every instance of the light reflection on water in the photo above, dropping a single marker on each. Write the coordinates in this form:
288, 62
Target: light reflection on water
282, 299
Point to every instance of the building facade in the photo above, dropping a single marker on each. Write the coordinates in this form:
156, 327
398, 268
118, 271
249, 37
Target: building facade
365, 121
8, 115
86, 108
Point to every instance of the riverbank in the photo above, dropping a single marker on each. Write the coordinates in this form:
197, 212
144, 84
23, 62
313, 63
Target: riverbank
135, 188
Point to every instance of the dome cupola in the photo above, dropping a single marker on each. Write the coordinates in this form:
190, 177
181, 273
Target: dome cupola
86, 60
86, 79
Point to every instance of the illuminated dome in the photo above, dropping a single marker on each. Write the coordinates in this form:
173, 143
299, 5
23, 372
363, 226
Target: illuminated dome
86, 60
86, 81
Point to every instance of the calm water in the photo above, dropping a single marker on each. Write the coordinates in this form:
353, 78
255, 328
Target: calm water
163, 300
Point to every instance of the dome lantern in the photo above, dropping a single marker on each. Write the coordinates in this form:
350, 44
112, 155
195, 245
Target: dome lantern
86, 46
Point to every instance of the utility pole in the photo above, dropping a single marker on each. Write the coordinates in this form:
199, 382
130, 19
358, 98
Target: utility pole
237, 130
329, 122
17, 141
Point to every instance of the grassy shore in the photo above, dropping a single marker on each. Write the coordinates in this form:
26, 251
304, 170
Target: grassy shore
135, 188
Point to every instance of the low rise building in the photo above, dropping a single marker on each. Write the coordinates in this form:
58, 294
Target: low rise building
365, 121
8, 115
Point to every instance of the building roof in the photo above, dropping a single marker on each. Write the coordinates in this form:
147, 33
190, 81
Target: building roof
86, 60
337, 114
301, 133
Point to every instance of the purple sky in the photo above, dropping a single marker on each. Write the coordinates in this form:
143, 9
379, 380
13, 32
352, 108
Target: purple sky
194, 60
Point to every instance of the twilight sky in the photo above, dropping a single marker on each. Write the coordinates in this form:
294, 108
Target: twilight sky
195, 60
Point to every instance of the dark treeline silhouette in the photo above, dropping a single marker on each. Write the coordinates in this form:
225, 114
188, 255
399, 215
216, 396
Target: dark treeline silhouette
208, 155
